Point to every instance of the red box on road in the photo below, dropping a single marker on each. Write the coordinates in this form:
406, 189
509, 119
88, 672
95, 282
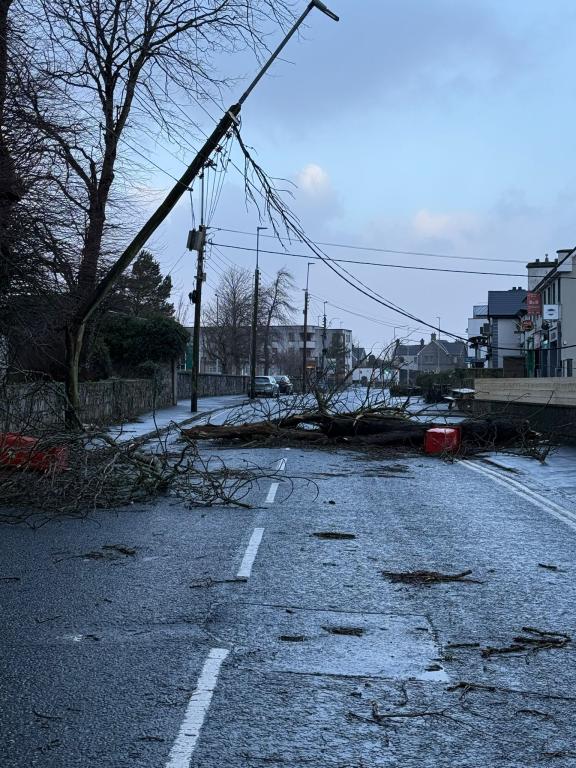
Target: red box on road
442, 440
21, 452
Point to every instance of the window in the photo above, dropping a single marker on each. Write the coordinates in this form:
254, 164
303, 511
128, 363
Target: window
569, 367
291, 337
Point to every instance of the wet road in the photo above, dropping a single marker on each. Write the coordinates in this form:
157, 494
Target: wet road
161, 636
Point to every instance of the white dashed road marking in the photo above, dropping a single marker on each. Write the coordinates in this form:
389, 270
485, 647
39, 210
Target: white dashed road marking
250, 554
272, 493
198, 706
281, 465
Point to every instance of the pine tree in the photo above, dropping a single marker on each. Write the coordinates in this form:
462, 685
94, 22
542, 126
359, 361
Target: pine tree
144, 291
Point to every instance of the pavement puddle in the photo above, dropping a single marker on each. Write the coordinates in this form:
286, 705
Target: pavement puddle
337, 643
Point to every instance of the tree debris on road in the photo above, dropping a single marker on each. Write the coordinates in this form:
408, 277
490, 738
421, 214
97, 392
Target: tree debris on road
427, 577
534, 640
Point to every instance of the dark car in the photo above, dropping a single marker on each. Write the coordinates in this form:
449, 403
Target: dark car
266, 386
286, 386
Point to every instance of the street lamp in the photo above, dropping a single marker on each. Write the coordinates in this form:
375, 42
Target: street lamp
266, 67
229, 119
438, 344
255, 318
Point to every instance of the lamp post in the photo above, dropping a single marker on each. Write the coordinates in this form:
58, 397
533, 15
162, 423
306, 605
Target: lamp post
438, 344
305, 347
255, 318
229, 119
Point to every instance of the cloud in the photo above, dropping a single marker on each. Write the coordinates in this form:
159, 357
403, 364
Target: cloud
445, 225
316, 199
394, 53
315, 182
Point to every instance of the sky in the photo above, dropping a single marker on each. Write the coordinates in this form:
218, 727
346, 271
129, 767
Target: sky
438, 127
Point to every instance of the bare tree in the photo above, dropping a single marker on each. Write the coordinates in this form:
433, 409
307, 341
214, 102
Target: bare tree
119, 67
277, 308
227, 321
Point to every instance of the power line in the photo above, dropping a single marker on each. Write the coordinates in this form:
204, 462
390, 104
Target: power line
373, 263
380, 250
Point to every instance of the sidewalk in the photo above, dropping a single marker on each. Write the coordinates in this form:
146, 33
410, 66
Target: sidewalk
181, 414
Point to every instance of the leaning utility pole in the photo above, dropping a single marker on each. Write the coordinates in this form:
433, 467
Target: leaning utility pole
76, 328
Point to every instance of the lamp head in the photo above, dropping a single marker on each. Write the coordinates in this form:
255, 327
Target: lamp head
324, 9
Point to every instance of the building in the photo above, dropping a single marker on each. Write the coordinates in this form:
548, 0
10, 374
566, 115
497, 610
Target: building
549, 329
328, 351
435, 356
227, 351
505, 312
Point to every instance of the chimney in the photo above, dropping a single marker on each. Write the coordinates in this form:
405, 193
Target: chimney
432, 337
421, 342
537, 270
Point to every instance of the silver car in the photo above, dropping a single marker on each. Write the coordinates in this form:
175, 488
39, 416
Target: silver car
266, 386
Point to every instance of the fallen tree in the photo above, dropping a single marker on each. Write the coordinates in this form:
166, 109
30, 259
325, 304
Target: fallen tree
387, 427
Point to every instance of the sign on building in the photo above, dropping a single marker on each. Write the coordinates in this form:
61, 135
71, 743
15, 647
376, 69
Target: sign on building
551, 311
533, 303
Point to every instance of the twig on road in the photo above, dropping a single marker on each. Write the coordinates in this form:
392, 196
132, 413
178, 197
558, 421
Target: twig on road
535, 640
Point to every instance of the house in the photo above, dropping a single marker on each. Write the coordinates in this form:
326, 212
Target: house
549, 330
434, 357
505, 311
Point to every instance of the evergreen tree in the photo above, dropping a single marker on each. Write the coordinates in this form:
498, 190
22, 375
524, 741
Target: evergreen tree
144, 291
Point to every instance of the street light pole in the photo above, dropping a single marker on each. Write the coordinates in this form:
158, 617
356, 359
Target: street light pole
438, 344
324, 343
255, 318
305, 347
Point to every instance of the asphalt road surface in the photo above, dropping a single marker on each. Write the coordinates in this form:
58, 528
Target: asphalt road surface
165, 637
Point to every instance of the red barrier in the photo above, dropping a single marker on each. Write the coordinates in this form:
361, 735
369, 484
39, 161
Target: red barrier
21, 452
442, 440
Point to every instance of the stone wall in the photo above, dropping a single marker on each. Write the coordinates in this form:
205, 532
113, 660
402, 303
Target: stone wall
212, 384
29, 406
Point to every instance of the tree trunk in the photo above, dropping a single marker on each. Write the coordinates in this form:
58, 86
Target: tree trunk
74, 338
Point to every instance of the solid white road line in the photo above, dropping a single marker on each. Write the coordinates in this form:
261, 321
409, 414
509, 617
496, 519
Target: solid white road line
281, 465
250, 554
560, 513
272, 493
198, 706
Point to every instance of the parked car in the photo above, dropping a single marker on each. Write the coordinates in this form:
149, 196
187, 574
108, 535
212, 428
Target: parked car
286, 386
266, 386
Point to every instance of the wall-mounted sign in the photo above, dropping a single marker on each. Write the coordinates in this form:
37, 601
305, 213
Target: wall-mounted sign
533, 303
551, 311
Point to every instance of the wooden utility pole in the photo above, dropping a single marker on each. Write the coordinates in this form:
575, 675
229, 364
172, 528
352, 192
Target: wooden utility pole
199, 239
305, 347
